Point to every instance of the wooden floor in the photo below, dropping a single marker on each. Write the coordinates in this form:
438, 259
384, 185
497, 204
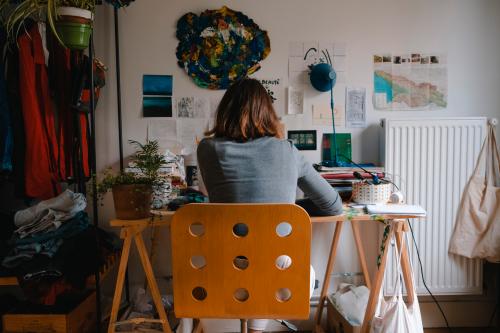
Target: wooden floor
462, 330
445, 330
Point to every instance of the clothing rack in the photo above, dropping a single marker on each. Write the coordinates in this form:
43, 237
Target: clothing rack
119, 115
92, 149
93, 171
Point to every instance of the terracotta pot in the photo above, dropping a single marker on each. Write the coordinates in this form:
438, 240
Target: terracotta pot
132, 202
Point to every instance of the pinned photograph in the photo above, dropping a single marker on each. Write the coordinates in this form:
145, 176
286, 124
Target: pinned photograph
387, 58
185, 107
415, 57
434, 59
157, 106
303, 140
377, 58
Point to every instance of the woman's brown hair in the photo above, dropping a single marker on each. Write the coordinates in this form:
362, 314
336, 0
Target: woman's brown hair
246, 112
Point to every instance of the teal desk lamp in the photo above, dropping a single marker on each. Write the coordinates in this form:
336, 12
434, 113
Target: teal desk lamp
323, 78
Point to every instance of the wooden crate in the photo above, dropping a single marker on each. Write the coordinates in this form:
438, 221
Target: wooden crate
82, 319
336, 323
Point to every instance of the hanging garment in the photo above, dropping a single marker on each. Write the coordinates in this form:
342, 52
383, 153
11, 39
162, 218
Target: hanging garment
11, 63
394, 315
67, 69
6, 135
477, 227
41, 156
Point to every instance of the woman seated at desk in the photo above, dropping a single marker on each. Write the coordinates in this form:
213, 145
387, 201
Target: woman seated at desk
245, 159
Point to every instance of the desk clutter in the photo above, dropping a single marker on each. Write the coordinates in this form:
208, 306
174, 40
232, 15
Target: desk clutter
368, 186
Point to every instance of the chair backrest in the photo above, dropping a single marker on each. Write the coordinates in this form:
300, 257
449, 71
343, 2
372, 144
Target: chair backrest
209, 252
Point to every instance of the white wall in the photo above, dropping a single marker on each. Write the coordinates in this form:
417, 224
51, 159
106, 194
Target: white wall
466, 30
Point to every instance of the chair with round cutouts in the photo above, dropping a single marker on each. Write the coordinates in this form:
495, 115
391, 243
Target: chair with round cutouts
241, 261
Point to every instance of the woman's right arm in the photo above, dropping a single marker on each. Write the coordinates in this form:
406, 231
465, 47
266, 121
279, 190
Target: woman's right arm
325, 199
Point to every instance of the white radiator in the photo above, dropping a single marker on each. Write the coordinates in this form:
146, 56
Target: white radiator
431, 161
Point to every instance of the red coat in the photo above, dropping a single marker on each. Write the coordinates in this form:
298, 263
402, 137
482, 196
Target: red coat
40, 169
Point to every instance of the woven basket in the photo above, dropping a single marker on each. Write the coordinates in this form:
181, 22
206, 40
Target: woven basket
367, 194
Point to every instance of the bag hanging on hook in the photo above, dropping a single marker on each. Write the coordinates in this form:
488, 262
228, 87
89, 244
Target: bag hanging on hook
477, 226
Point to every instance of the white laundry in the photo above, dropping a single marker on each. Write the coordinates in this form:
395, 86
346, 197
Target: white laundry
49, 214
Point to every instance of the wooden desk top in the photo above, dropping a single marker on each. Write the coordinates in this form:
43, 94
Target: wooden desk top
163, 217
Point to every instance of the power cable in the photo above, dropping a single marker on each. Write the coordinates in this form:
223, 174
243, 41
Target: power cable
423, 278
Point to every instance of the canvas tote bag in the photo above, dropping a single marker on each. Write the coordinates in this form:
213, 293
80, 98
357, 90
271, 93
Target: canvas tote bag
477, 226
394, 315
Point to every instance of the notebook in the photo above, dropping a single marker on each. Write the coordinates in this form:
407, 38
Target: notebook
396, 209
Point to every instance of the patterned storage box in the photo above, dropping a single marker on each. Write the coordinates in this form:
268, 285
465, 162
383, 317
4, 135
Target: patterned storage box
366, 194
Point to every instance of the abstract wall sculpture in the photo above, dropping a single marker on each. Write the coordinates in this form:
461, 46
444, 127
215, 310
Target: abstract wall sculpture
220, 46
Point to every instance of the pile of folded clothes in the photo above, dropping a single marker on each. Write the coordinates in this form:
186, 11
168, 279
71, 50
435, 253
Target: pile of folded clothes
55, 248
42, 229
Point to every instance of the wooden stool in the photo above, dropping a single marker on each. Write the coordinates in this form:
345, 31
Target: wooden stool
132, 230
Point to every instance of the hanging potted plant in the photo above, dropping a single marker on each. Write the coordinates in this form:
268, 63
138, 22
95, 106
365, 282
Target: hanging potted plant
132, 191
71, 21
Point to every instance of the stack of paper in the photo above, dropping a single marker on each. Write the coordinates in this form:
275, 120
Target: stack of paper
397, 209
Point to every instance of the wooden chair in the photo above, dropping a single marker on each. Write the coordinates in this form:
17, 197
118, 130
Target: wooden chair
208, 246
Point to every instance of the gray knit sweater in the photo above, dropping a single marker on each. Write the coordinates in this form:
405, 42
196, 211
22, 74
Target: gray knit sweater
266, 169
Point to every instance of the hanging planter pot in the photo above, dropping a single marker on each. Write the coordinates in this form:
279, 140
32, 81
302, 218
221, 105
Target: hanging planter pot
74, 26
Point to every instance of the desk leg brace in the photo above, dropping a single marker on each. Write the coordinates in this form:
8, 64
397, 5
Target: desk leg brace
361, 253
120, 279
155, 292
135, 233
326, 281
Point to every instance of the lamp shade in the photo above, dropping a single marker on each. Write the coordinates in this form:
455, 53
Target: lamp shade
323, 77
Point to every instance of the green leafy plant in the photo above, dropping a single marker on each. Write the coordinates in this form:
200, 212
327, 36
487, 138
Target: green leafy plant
38, 8
147, 159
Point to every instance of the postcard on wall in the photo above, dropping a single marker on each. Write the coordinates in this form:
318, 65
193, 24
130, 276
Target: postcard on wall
303, 139
295, 101
162, 129
192, 107
202, 106
190, 132
165, 132
157, 85
156, 106
322, 115
355, 110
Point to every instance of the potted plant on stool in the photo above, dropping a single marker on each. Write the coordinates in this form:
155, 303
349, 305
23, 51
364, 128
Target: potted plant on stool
132, 191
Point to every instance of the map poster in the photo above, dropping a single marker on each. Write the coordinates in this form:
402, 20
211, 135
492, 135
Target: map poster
411, 81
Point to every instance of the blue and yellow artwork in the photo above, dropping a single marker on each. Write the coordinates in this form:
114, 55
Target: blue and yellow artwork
220, 46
